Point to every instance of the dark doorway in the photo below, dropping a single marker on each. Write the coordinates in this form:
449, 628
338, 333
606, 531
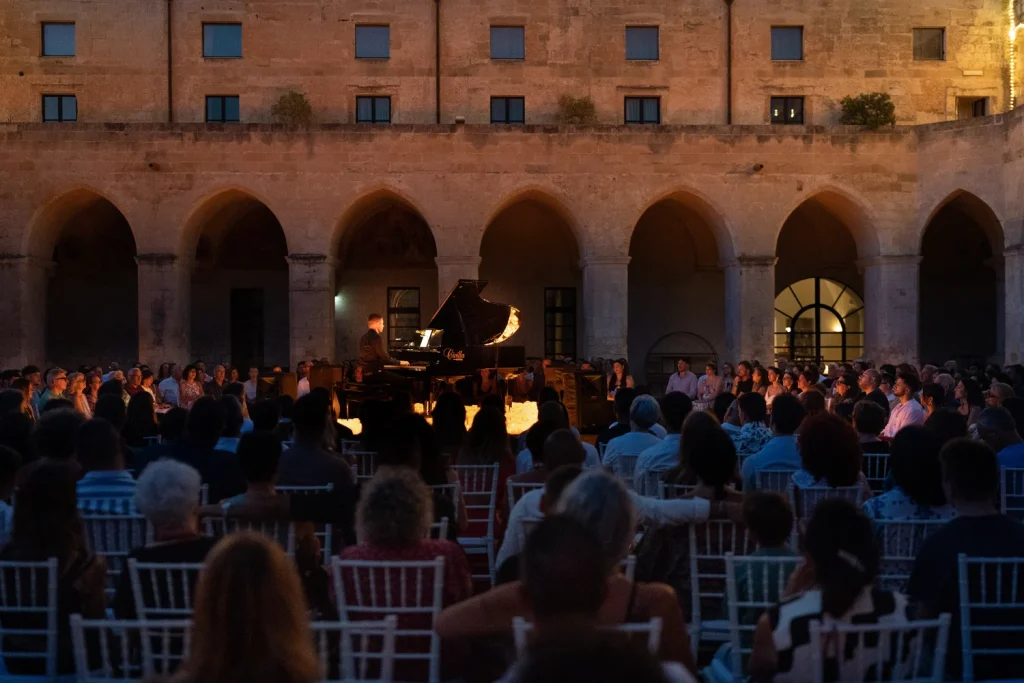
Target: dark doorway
246, 328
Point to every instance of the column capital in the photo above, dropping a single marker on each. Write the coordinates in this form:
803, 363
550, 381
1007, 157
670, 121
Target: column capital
310, 260
156, 259
613, 260
889, 260
751, 262
28, 260
1015, 251
457, 260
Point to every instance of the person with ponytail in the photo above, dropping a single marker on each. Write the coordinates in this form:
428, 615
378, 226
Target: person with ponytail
836, 583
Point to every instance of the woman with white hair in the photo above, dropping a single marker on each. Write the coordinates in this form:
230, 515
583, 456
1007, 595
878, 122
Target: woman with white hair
167, 495
600, 502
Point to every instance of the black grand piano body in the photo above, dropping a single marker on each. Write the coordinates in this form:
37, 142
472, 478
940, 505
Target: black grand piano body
466, 334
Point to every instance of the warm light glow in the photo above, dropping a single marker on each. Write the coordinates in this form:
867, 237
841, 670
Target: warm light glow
1012, 49
838, 328
789, 329
519, 417
510, 328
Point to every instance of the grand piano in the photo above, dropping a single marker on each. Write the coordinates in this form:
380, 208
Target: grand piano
466, 334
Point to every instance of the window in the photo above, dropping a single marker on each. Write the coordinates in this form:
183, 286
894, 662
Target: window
971, 107
787, 43
373, 110
929, 44
222, 109
60, 108
819, 320
643, 110
788, 110
403, 315
642, 43
508, 42
508, 110
222, 41
373, 42
560, 321
58, 40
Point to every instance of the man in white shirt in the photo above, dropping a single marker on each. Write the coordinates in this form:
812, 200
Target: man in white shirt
908, 411
643, 414
303, 371
683, 380
665, 454
168, 388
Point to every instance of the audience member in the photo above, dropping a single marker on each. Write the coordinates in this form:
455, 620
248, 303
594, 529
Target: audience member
140, 423
813, 402
265, 415
54, 435
997, 393
997, 428
233, 421
585, 655
10, 461
215, 387
780, 452
56, 385
947, 423
868, 422
908, 411
449, 416
664, 455
112, 409
168, 388
76, 394
236, 390
870, 382
917, 475
191, 389
933, 396
16, 434
753, 433
643, 414
105, 487
623, 402
307, 462
830, 455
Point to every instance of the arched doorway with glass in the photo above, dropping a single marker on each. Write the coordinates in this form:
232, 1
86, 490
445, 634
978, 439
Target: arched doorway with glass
819, 320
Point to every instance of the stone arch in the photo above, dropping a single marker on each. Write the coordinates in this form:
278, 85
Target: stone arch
240, 305
962, 311
677, 247
552, 201
530, 255
848, 208
385, 251
91, 294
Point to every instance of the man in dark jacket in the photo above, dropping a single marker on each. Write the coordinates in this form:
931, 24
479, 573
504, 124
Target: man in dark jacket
373, 355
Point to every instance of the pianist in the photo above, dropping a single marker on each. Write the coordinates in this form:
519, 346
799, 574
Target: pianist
373, 356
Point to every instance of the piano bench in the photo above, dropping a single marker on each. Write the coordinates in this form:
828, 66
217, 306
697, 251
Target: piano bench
357, 392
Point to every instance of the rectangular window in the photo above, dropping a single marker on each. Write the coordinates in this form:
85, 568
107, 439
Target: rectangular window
508, 110
642, 43
58, 40
643, 110
789, 110
560, 321
971, 107
222, 109
373, 42
403, 315
373, 110
222, 41
929, 44
60, 108
787, 43
508, 42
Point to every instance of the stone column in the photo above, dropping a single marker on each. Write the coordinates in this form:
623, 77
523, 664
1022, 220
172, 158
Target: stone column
892, 286
1013, 297
165, 309
750, 310
311, 306
23, 281
605, 306
451, 269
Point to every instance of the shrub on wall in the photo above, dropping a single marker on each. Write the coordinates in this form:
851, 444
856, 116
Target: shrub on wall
872, 110
292, 109
576, 111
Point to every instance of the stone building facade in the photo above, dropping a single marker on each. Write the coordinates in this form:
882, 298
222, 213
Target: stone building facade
141, 231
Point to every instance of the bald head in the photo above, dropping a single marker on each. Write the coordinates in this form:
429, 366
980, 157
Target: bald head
562, 448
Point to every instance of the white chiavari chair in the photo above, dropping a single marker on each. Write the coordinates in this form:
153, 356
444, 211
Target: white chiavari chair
777, 480
365, 464
1011, 492
899, 541
281, 531
876, 468
356, 651
710, 541
624, 466
439, 529
324, 532
652, 629
479, 489
991, 614
163, 591
667, 491
516, 491
28, 618
805, 500
113, 537
116, 651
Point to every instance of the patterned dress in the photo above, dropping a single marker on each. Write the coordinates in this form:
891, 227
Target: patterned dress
189, 393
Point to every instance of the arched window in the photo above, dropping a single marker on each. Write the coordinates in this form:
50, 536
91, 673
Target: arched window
819, 320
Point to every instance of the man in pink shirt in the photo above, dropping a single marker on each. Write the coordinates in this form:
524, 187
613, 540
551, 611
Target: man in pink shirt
908, 411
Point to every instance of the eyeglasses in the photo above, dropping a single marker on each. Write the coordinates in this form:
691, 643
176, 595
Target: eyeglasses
61, 378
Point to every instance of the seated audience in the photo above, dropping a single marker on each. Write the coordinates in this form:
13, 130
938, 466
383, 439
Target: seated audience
551, 415
663, 455
10, 462
970, 399
917, 475
836, 583
779, 453
947, 424
830, 456
907, 411
623, 402
933, 396
753, 433
601, 503
813, 402
105, 487
140, 422
449, 416
112, 409
488, 444
869, 421
233, 421
167, 495
583, 655
307, 462
16, 434
644, 413
236, 390
47, 524
970, 476
997, 428
239, 639
265, 413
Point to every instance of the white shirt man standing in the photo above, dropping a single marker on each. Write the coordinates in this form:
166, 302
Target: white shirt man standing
683, 381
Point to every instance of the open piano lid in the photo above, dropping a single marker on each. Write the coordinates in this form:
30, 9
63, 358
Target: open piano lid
467, 319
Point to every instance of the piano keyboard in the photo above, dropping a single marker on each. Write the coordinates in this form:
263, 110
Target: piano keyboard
417, 368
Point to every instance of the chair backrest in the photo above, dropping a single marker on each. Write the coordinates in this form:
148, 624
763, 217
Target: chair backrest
516, 491
163, 591
991, 611
709, 543
204, 494
350, 446
439, 529
479, 490
624, 466
365, 463
899, 541
876, 468
668, 491
762, 582
108, 651
804, 500
1011, 492
304, 490
281, 531
28, 613
356, 651
113, 537
880, 652
776, 480
449, 491
114, 505
651, 629
414, 591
